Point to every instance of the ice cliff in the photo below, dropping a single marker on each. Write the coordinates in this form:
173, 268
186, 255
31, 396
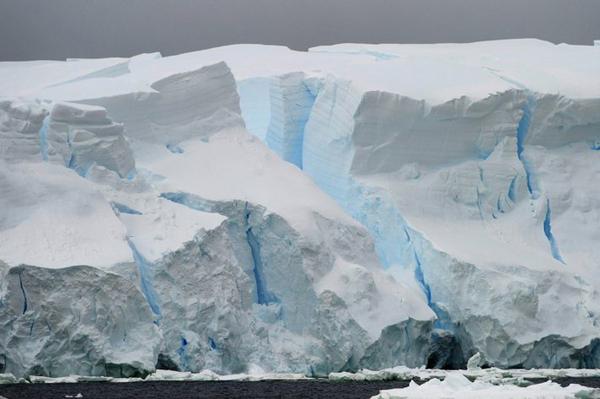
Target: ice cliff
351, 206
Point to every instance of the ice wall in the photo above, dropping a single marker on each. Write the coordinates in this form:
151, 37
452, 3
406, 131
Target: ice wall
291, 102
469, 163
255, 105
177, 106
106, 331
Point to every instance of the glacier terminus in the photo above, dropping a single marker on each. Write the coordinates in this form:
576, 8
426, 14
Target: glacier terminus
254, 209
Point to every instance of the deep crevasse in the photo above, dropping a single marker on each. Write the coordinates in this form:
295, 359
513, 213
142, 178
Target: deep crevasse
145, 271
548, 233
44, 138
522, 131
263, 296
22, 287
533, 187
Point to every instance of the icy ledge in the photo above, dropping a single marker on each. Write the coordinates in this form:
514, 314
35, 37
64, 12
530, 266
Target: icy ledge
458, 386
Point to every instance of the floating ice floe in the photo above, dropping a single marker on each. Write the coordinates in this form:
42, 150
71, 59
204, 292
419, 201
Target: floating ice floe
458, 386
489, 374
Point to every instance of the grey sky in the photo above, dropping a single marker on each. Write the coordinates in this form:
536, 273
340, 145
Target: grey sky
57, 29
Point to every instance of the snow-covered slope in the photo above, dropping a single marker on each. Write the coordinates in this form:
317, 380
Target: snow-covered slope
381, 187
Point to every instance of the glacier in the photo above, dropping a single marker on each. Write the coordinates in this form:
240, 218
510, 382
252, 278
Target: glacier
352, 206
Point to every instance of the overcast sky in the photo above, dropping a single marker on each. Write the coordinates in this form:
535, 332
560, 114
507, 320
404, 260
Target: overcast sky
57, 29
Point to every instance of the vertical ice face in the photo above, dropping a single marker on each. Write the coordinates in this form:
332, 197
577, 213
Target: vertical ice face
291, 103
81, 136
249, 291
46, 332
177, 107
255, 105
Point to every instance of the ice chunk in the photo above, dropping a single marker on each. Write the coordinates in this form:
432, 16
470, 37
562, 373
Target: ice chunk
81, 136
474, 362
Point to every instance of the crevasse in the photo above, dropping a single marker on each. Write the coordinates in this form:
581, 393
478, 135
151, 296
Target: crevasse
189, 200
264, 297
44, 138
122, 208
22, 287
144, 269
548, 233
522, 131
182, 353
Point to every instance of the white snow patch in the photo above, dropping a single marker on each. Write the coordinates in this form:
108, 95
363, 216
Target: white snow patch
50, 217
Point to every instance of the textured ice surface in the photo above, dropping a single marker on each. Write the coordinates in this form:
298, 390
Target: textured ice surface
75, 320
392, 205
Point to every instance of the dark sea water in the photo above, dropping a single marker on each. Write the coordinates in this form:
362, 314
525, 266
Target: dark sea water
313, 389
